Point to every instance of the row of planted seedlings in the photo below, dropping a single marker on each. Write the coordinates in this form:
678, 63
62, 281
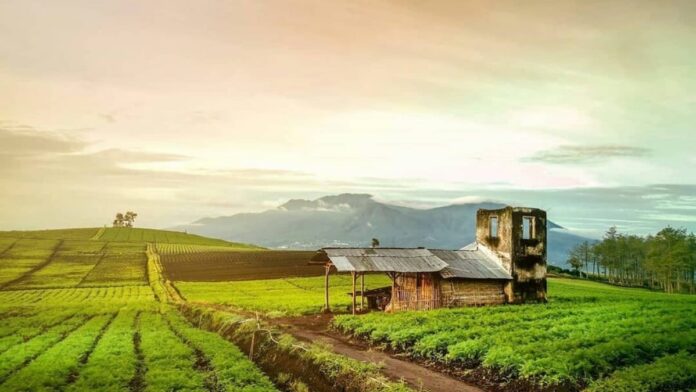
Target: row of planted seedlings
569, 343
130, 348
294, 365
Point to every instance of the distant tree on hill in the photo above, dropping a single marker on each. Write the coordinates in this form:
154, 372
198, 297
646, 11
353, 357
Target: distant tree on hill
130, 218
118, 222
375, 242
125, 220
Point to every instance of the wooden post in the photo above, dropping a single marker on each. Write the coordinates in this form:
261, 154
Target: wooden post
354, 276
362, 292
418, 290
393, 300
327, 308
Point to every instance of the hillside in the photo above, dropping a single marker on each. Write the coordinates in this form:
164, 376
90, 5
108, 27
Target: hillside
354, 219
123, 234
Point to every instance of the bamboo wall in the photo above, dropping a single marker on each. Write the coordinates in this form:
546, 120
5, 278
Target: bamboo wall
415, 292
461, 292
429, 291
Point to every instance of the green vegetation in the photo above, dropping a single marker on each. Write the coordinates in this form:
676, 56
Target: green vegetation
278, 297
95, 311
129, 234
112, 364
170, 362
587, 332
181, 249
319, 361
232, 371
665, 261
78, 314
670, 373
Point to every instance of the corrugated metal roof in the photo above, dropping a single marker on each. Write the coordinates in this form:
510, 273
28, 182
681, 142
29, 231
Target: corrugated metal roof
384, 260
473, 262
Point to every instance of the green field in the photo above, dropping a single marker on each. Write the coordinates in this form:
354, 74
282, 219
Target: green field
606, 337
90, 309
279, 297
77, 314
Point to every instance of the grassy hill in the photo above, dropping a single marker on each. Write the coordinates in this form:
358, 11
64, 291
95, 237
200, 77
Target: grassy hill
123, 234
87, 257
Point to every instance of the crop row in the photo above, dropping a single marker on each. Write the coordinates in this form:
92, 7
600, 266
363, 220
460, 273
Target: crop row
581, 336
239, 265
93, 350
278, 296
63, 297
45, 263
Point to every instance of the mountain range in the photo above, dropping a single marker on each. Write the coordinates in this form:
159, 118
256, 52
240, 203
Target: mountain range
354, 219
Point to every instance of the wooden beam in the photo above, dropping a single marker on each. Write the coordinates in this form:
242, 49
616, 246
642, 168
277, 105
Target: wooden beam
327, 308
362, 291
354, 276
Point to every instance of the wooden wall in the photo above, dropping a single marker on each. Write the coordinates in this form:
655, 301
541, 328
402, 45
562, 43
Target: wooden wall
428, 291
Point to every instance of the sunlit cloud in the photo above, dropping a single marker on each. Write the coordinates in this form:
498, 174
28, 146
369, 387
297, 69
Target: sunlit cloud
232, 106
588, 154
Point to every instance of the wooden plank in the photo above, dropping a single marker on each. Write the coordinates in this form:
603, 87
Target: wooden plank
362, 292
327, 308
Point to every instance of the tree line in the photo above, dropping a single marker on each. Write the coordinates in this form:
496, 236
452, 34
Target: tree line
664, 261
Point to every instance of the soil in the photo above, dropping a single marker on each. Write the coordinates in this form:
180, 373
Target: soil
242, 265
316, 329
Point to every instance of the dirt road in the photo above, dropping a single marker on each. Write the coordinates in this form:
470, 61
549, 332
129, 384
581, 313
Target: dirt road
315, 328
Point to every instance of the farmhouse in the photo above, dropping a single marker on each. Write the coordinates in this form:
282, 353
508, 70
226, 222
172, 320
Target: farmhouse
506, 264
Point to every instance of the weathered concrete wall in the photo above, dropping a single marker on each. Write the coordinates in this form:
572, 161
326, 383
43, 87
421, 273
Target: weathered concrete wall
525, 259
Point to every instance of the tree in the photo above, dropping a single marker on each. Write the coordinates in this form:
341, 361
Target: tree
125, 220
375, 243
669, 257
575, 261
119, 221
130, 218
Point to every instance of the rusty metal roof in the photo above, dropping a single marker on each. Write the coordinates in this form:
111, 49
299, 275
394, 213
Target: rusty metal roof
474, 262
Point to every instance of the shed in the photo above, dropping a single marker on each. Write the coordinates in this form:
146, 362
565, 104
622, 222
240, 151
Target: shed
422, 278
477, 274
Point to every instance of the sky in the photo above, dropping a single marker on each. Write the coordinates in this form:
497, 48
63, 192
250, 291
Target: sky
180, 110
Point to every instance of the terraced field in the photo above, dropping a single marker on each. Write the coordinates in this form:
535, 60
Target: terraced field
55, 263
77, 314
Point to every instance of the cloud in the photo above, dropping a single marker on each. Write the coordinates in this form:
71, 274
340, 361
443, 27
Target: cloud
472, 199
568, 155
24, 141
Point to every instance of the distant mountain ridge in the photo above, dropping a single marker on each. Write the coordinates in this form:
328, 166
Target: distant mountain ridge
354, 219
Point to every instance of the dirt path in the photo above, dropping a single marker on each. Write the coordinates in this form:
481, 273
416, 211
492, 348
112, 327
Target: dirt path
315, 329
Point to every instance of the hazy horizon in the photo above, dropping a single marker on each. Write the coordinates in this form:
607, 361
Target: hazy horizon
179, 110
